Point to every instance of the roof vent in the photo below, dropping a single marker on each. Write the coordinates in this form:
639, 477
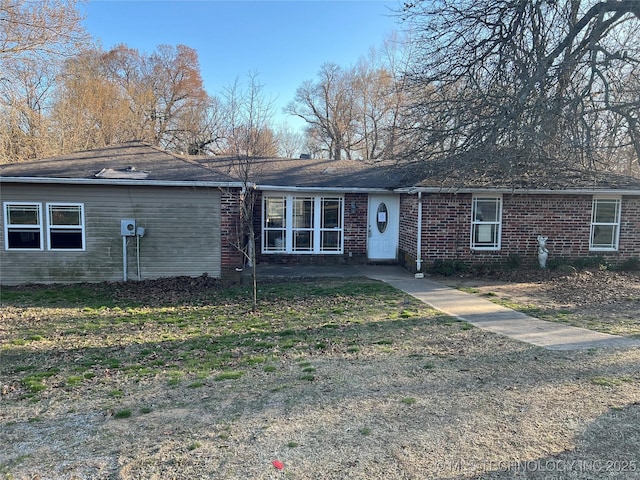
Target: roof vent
128, 173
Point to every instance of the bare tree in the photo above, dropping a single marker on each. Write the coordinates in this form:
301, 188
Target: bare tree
24, 101
130, 71
250, 137
290, 143
244, 168
249, 119
371, 84
90, 111
174, 73
355, 112
379, 95
34, 38
204, 128
46, 28
524, 82
122, 95
329, 108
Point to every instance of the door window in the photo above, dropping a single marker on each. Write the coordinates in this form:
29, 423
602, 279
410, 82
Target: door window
382, 217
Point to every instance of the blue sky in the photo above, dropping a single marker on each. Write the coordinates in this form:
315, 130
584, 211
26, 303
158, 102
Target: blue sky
286, 42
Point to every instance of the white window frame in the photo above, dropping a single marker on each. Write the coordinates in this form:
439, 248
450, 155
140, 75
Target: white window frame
493, 227
324, 229
306, 232
317, 231
8, 227
52, 227
278, 230
612, 247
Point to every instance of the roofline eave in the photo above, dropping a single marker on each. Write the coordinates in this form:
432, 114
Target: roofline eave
122, 182
282, 188
285, 188
521, 191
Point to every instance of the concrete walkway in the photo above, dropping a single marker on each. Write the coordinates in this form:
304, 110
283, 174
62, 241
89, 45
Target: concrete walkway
492, 317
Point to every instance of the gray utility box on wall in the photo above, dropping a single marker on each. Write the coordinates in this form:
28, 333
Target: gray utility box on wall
128, 227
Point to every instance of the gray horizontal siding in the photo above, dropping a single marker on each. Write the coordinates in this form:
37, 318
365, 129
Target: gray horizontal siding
182, 234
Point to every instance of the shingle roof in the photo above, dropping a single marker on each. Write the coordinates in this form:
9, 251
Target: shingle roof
142, 162
312, 173
483, 174
140, 156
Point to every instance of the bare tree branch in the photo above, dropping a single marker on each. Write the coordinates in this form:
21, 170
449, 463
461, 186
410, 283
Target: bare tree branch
506, 76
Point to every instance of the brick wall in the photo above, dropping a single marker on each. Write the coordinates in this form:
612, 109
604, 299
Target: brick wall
356, 207
565, 219
630, 227
446, 223
407, 244
231, 257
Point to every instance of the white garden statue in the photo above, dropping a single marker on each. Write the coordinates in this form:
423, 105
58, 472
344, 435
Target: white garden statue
543, 252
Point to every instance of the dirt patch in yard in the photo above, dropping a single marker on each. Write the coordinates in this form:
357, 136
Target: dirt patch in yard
335, 379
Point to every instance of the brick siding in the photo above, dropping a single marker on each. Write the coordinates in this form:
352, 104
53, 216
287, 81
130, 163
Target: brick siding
565, 219
231, 257
446, 230
407, 244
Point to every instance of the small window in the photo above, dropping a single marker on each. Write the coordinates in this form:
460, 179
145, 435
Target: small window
381, 217
486, 223
65, 226
605, 224
23, 226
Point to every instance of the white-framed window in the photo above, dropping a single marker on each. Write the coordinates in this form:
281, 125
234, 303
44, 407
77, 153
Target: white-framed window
65, 226
22, 226
486, 222
274, 225
331, 224
605, 224
302, 224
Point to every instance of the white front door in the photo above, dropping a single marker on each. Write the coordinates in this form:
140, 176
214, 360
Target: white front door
384, 227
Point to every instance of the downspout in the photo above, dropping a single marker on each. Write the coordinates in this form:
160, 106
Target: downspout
419, 236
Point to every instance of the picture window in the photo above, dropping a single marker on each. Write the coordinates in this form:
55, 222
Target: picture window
302, 224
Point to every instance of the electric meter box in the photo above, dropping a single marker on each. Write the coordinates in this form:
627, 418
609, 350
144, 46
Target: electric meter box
128, 227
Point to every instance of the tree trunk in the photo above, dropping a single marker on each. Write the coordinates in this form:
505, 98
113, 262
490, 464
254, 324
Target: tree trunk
254, 276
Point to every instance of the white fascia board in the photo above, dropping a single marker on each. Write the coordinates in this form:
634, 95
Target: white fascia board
579, 191
280, 188
121, 182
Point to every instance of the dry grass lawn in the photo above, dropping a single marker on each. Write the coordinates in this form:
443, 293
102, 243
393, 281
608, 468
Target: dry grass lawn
335, 379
